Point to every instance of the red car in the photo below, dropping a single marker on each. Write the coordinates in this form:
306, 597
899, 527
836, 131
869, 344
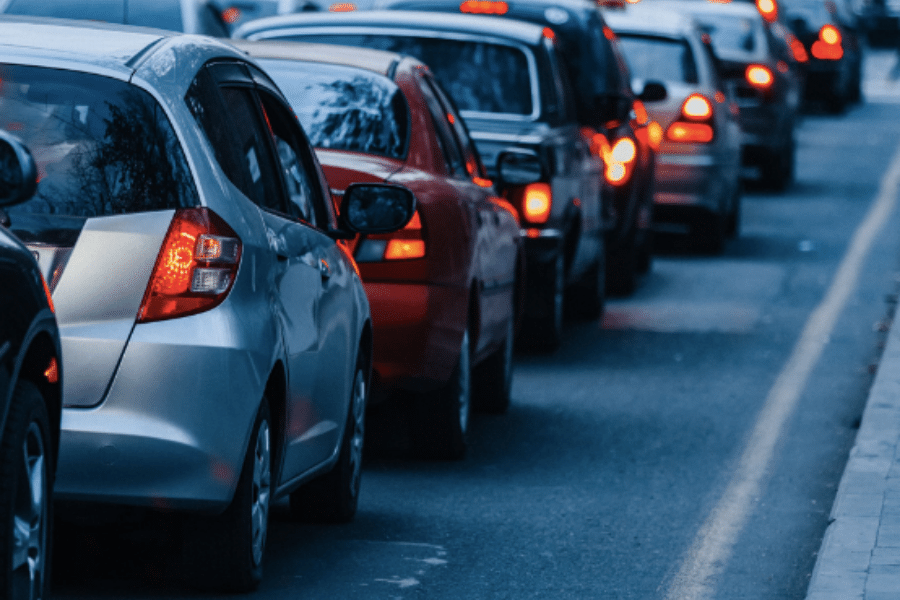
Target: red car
444, 291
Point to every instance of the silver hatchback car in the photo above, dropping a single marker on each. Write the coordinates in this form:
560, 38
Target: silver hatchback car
215, 334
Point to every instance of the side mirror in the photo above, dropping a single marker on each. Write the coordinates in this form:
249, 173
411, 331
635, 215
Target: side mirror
654, 91
18, 173
377, 207
517, 166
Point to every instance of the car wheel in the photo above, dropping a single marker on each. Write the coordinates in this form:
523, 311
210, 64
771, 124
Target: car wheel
225, 552
778, 168
492, 387
587, 298
334, 496
545, 333
26, 459
441, 419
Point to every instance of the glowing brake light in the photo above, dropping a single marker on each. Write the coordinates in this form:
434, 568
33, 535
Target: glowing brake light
620, 161
655, 134
697, 107
195, 269
484, 7
406, 244
342, 7
768, 9
231, 15
624, 151
828, 46
759, 77
536, 203
797, 49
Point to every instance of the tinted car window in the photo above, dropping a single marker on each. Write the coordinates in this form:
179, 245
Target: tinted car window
102, 146
112, 11
481, 77
659, 58
730, 33
345, 108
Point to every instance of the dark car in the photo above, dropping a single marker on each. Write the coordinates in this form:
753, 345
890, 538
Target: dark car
605, 104
760, 71
834, 55
187, 16
30, 395
528, 106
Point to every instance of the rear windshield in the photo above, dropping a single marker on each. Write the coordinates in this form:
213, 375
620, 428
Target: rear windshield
730, 33
480, 76
102, 146
344, 108
659, 58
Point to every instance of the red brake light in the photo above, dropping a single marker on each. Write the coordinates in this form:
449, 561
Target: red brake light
697, 107
195, 269
484, 7
759, 77
549, 33
536, 202
797, 49
404, 249
640, 113
828, 46
697, 133
342, 7
406, 244
830, 35
654, 134
768, 9
620, 161
231, 15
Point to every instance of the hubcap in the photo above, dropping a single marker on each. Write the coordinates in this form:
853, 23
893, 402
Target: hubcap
30, 518
464, 384
262, 483
359, 432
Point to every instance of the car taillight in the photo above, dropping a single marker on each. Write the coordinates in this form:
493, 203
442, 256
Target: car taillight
405, 244
768, 9
655, 134
342, 7
759, 76
533, 201
484, 7
195, 269
797, 49
231, 15
695, 124
828, 46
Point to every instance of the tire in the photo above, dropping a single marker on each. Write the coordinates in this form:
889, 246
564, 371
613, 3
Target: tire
778, 168
733, 220
225, 553
587, 299
545, 333
440, 420
492, 388
645, 253
334, 496
26, 482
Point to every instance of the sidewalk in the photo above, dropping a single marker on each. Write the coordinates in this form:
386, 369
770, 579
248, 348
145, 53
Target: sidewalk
860, 554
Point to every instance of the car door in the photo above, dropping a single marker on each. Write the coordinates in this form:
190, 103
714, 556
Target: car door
336, 314
498, 257
296, 277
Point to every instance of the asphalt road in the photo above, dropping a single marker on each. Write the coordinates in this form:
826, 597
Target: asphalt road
614, 467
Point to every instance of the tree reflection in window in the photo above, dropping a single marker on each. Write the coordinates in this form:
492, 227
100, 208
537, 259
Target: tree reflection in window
102, 146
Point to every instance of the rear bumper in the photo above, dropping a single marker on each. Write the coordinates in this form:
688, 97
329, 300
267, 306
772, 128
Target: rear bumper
686, 181
418, 332
172, 430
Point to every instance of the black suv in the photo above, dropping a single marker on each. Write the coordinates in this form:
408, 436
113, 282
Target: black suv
507, 80
30, 395
605, 104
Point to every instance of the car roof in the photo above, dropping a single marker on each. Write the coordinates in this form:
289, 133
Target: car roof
377, 61
647, 18
527, 33
744, 9
110, 49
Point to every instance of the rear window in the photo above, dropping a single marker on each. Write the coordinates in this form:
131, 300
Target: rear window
659, 58
102, 146
344, 108
480, 76
730, 33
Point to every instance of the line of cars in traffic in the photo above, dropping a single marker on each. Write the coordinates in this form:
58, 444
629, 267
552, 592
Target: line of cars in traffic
247, 242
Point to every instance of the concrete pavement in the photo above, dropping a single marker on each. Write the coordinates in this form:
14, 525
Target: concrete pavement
860, 554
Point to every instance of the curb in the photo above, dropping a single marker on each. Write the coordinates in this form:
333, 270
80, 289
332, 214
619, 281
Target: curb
860, 554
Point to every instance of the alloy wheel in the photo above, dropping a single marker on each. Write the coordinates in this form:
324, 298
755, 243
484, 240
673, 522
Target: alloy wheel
30, 518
